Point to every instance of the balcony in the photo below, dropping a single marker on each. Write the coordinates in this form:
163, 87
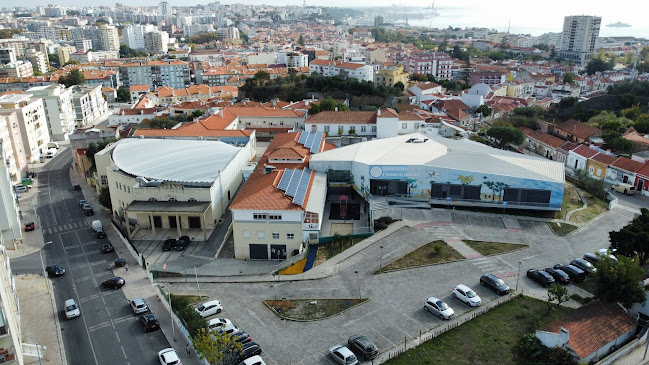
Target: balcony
5, 356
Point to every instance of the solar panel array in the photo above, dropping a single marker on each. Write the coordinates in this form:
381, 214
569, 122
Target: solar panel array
295, 183
286, 178
302, 187
311, 140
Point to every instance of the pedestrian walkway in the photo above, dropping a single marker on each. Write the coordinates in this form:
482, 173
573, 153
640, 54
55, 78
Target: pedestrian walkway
310, 259
461, 247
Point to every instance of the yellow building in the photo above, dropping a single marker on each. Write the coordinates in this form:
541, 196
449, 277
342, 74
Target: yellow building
390, 76
598, 164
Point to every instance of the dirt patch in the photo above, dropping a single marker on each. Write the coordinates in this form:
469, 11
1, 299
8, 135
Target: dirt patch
311, 309
434, 252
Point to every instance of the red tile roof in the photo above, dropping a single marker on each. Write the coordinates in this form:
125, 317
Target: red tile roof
592, 326
260, 192
585, 151
545, 138
133, 88
627, 164
604, 159
577, 128
346, 117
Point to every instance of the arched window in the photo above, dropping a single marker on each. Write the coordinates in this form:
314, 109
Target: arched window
153, 199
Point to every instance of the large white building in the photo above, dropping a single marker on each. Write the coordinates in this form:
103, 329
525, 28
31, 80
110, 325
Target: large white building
38, 60
89, 105
133, 34
578, 39
177, 184
18, 69
59, 109
156, 42
109, 37
358, 71
32, 121
12, 145
174, 74
10, 225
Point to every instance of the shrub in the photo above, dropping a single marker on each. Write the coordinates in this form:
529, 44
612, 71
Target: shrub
437, 249
379, 226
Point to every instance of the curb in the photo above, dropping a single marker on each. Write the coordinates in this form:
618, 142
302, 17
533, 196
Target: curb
366, 300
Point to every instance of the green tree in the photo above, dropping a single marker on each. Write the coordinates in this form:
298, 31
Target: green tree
9, 32
328, 104
626, 99
642, 123
54, 60
197, 113
128, 52
123, 95
399, 86
314, 109
619, 281
484, 109
633, 239
632, 112
162, 123
597, 65
38, 73
506, 135
300, 40
217, 348
558, 293
568, 78
622, 145
75, 77
104, 198
568, 102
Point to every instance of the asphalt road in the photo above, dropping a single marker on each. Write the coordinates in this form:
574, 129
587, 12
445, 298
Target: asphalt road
107, 332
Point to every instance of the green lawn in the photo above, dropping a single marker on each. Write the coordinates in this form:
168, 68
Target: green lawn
306, 309
595, 207
331, 249
571, 201
424, 255
588, 285
562, 229
493, 248
487, 339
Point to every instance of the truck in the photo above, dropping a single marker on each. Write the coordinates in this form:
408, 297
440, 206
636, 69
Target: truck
626, 189
96, 226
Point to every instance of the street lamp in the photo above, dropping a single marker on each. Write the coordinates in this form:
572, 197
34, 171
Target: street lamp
519, 274
359, 286
171, 311
43, 265
380, 257
274, 283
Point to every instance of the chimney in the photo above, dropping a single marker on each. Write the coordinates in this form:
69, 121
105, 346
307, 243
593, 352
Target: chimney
378, 112
221, 113
336, 109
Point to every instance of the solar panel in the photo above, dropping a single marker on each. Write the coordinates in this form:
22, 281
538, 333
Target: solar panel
303, 137
286, 178
309, 140
315, 146
295, 181
300, 195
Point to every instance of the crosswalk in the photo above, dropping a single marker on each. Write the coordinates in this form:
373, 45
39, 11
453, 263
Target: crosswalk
492, 265
66, 227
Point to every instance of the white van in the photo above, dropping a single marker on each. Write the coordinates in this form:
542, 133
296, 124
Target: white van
51, 152
96, 226
626, 189
71, 309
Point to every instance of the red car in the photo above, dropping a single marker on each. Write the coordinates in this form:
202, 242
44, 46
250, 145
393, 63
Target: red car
29, 226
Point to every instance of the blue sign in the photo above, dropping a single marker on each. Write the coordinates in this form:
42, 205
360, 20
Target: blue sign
504, 204
448, 199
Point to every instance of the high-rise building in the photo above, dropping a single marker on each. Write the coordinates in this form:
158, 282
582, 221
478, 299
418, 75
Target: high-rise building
89, 105
109, 38
7, 55
64, 53
38, 60
82, 45
439, 64
174, 74
59, 109
165, 8
12, 145
133, 35
579, 36
156, 42
32, 122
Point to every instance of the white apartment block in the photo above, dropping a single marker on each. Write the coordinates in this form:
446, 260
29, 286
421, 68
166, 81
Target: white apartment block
133, 34
38, 61
579, 38
18, 69
89, 105
17, 44
228, 33
297, 60
174, 74
32, 121
64, 53
156, 42
12, 146
59, 109
328, 68
109, 38
7, 55
83, 45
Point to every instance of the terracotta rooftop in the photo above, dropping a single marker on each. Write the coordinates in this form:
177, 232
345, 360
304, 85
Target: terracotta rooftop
346, 117
260, 192
592, 326
577, 128
604, 159
632, 135
627, 164
585, 151
545, 138
133, 88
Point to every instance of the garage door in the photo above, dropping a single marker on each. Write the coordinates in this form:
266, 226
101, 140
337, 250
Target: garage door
258, 252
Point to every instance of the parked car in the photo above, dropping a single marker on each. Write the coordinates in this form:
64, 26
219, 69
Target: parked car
228, 329
71, 309
255, 360
439, 308
607, 252
107, 248
626, 189
559, 275
495, 283
363, 346
138, 305
96, 225
584, 265
575, 273
342, 355
54, 270
115, 282
591, 257
468, 296
29, 226
100, 233
168, 244
248, 350
87, 210
540, 277
168, 356
82, 202
149, 322
84, 206
182, 243
20, 188
241, 337
218, 322
209, 308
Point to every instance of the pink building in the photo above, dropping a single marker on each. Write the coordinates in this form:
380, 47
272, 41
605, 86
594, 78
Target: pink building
439, 64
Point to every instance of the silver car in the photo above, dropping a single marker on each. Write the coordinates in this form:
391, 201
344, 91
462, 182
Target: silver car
138, 305
439, 308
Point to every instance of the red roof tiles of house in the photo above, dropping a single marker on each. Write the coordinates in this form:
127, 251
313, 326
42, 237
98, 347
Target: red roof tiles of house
549, 140
577, 128
140, 88
592, 326
603, 158
585, 151
346, 117
627, 164
632, 135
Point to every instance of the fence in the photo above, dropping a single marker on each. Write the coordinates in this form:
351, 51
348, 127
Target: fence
362, 232
429, 335
127, 243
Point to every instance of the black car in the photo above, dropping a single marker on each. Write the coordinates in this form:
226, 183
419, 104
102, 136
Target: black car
149, 322
115, 282
168, 244
55, 270
540, 277
107, 248
591, 257
363, 346
182, 243
586, 266
100, 233
88, 211
242, 337
249, 349
575, 273
495, 283
559, 275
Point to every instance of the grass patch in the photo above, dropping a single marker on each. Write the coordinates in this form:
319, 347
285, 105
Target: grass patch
571, 201
595, 207
587, 285
303, 310
431, 253
493, 248
192, 299
487, 339
562, 229
331, 249
296, 268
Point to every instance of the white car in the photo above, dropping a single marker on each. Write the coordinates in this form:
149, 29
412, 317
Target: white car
168, 356
218, 322
209, 308
439, 308
342, 355
255, 360
227, 329
138, 305
468, 296
71, 309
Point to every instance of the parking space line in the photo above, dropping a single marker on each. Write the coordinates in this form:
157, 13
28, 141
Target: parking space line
75, 256
99, 326
100, 262
92, 252
84, 278
412, 319
379, 333
124, 319
327, 358
86, 299
356, 320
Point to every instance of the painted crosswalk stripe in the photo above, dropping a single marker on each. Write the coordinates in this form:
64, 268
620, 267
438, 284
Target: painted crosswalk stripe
99, 326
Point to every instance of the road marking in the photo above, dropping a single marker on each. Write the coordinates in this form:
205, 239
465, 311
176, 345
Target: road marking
92, 297
421, 325
92, 252
379, 333
357, 319
118, 340
327, 358
100, 262
257, 318
99, 326
84, 278
124, 319
124, 352
76, 256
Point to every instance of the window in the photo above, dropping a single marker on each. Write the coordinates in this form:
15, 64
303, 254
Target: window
290, 236
259, 216
246, 234
404, 125
363, 128
326, 128
275, 217
373, 128
260, 234
153, 199
275, 235
191, 200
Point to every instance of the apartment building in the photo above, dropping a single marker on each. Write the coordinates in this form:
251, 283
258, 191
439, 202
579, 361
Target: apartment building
30, 113
439, 64
89, 105
18, 69
488, 77
156, 42
390, 76
83, 45
17, 44
109, 38
358, 71
59, 109
579, 37
64, 53
174, 74
7, 55
12, 146
38, 60
133, 34
295, 60
228, 33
